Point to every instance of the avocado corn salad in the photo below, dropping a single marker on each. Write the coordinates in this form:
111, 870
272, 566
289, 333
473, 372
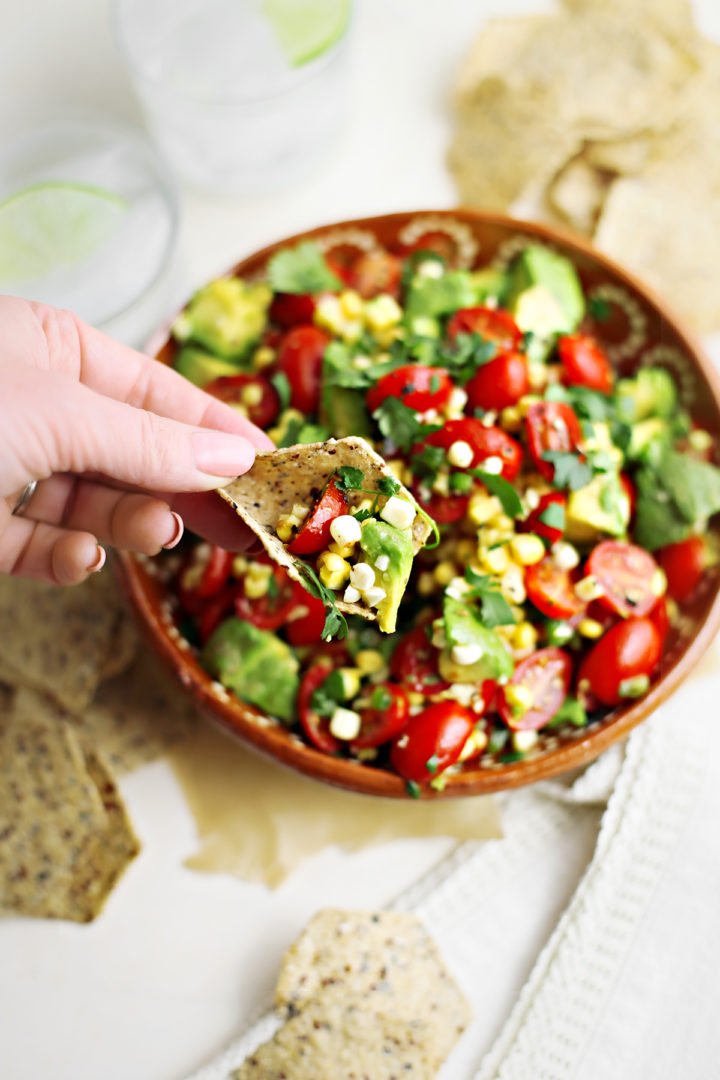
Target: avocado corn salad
572, 506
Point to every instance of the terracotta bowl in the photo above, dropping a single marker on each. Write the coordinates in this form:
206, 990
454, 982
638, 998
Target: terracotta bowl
636, 329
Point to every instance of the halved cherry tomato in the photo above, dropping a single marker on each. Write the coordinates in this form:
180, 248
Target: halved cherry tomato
500, 383
204, 572
552, 590
443, 509
271, 611
214, 610
485, 442
434, 738
534, 523
551, 425
376, 272
585, 363
440, 242
300, 356
308, 627
381, 725
660, 619
316, 727
234, 389
492, 324
292, 309
630, 648
420, 388
314, 534
684, 565
546, 674
414, 662
628, 577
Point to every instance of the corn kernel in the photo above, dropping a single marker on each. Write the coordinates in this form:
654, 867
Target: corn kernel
334, 579
527, 549
524, 637
519, 698
364, 504
588, 588
385, 338
658, 584
444, 572
511, 418
369, 661
590, 628
239, 565
415, 698
537, 376
502, 522
482, 508
465, 551
251, 394
350, 682
399, 470
351, 304
263, 357
255, 587
524, 740
329, 313
351, 330
496, 560
475, 743
525, 402
333, 562
426, 584
382, 312
512, 585
284, 529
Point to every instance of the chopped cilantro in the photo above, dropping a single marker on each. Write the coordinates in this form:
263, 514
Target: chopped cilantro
571, 711
498, 739
503, 489
570, 472
598, 309
302, 269
335, 623
494, 608
388, 485
553, 516
415, 259
468, 353
361, 515
427, 462
460, 483
434, 384
432, 764
588, 404
381, 699
348, 478
273, 589
401, 425
328, 695
282, 384
412, 789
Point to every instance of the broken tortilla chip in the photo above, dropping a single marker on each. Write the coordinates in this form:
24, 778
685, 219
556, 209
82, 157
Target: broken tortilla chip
577, 193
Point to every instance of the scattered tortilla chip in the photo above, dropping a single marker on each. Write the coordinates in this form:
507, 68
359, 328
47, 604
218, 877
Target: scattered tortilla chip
577, 193
124, 647
281, 478
61, 638
672, 13
135, 718
64, 835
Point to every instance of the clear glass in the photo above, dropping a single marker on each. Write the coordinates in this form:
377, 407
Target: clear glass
225, 105
131, 262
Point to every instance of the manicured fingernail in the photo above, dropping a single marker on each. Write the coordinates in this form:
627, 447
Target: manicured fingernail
178, 530
99, 561
219, 454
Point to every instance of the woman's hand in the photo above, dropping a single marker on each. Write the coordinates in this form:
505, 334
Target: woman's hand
124, 449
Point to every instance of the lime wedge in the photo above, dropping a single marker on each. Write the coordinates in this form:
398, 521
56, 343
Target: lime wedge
55, 224
306, 28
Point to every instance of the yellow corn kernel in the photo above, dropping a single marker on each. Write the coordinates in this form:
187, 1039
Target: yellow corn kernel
590, 628
255, 587
444, 572
511, 418
519, 698
426, 584
239, 565
350, 682
334, 579
658, 585
512, 584
369, 661
502, 522
525, 402
524, 637
351, 303
496, 560
331, 561
385, 338
465, 551
343, 550
284, 529
527, 549
475, 743
364, 504
400, 471
538, 376
524, 740
382, 312
329, 314
263, 357
482, 508
251, 394
588, 588
351, 330
415, 698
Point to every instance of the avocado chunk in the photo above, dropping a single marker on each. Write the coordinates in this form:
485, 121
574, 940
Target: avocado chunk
380, 538
226, 317
489, 284
647, 436
676, 497
200, 367
342, 408
601, 508
649, 393
256, 665
463, 626
544, 292
431, 296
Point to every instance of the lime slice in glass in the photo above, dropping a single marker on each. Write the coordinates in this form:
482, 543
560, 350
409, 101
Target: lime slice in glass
307, 28
55, 224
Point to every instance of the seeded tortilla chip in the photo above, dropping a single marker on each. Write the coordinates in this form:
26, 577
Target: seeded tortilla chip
577, 193
64, 835
281, 478
672, 13
61, 638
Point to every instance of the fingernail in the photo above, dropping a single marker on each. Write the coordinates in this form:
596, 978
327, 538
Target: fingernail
99, 561
219, 454
179, 529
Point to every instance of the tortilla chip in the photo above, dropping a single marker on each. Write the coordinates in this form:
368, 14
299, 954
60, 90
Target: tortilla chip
281, 478
61, 637
64, 835
577, 193
135, 718
672, 13
123, 649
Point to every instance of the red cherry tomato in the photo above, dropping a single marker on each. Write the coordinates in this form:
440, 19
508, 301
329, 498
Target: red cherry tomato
660, 619
534, 523
315, 727
415, 663
420, 388
308, 627
381, 725
630, 491
585, 364
552, 590
292, 309
485, 442
439, 242
551, 425
627, 574
630, 648
234, 389
546, 674
436, 735
300, 356
271, 611
684, 565
203, 574
214, 611
500, 383
443, 509
490, 323
314, 534
376, 272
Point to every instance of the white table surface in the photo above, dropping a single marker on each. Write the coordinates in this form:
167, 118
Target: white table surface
163, 979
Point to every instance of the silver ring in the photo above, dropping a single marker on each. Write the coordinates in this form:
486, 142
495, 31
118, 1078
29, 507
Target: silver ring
24, 498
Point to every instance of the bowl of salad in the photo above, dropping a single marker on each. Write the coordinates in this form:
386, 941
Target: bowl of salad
544, 411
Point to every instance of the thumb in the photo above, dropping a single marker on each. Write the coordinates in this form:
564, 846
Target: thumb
63, 426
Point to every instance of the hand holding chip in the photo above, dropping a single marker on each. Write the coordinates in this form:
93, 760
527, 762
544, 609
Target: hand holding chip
124, 449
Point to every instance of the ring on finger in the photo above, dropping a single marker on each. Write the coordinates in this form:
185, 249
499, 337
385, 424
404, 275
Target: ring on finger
23, 499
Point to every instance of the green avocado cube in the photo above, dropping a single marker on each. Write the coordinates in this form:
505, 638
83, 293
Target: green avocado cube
380, 538
544, 292
256, 665
201, 368
226, 316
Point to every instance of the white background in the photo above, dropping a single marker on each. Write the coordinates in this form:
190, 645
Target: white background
164, 978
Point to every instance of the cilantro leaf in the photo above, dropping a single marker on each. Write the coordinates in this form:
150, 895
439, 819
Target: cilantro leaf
460, 483
301, 269
401, 425
494, 608
348, 478
570, 472
428, 461
503, 489
381, 699
282, 384
432, 764
328, 695
361, 515
553, 516
468, 353
335, 623
598, 309
588, 404
388, 485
